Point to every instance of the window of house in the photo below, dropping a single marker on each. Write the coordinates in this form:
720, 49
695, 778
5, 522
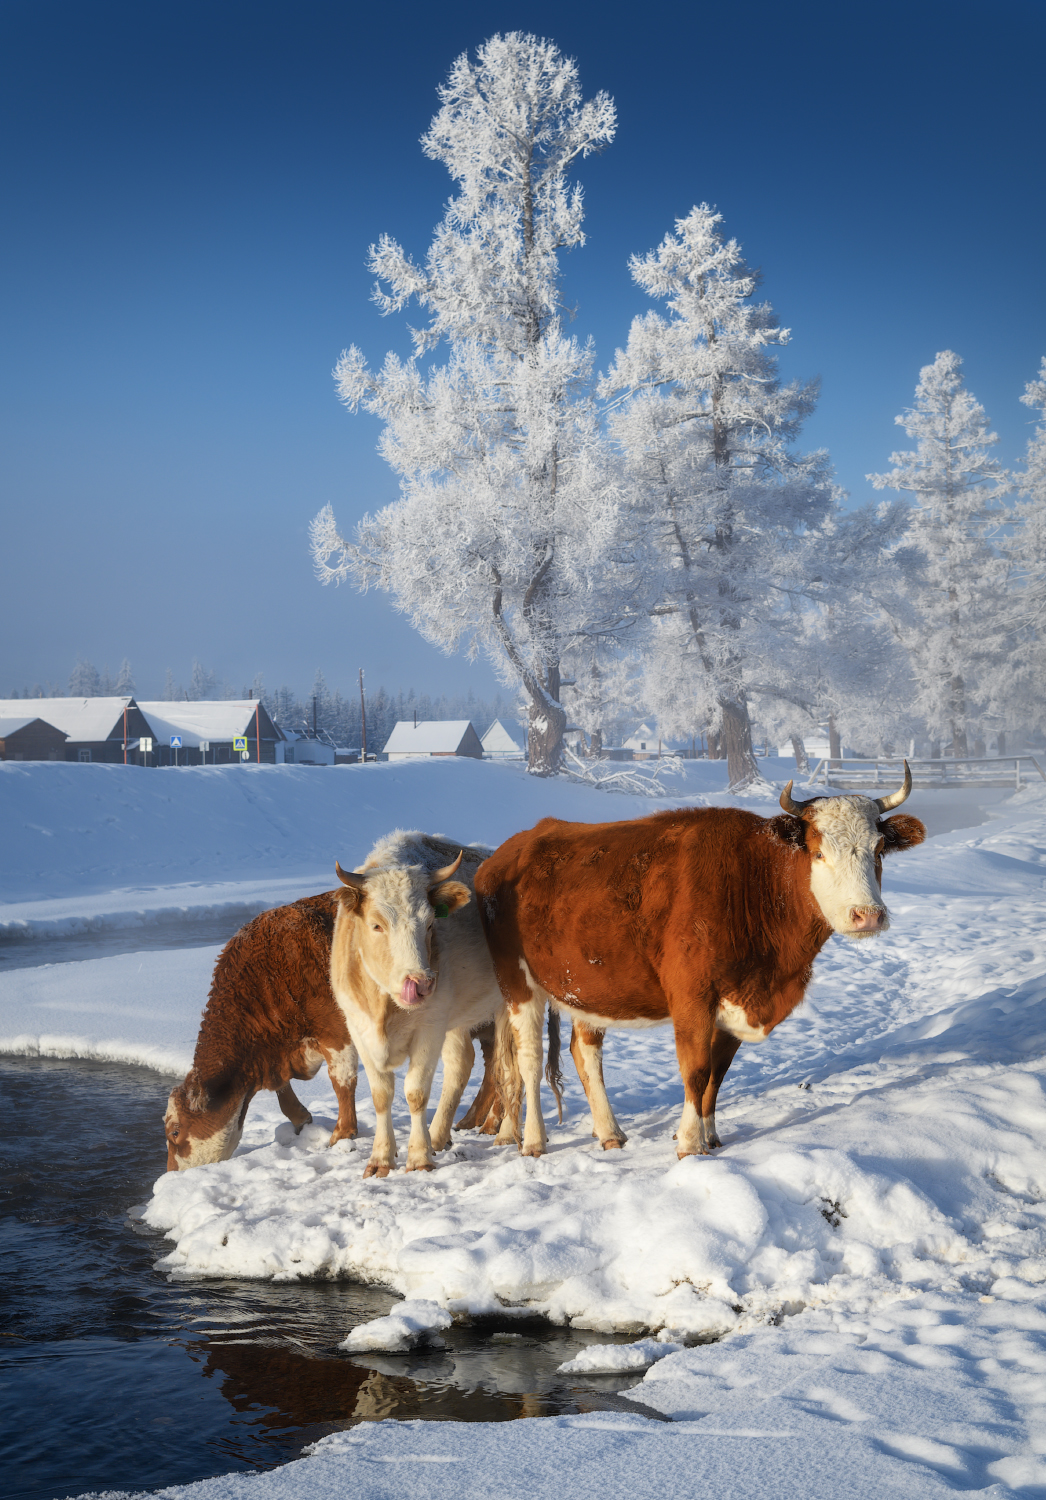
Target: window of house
84, 755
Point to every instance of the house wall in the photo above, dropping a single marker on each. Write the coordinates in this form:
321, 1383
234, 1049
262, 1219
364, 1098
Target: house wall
35, 742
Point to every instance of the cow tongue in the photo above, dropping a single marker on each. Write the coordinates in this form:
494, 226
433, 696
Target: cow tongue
409, 993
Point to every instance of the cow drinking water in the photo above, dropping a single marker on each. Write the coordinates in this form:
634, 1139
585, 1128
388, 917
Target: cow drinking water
270, 1017
710, 918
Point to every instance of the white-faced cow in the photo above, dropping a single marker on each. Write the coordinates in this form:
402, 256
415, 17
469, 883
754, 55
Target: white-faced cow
270, 1017
709, 918
412, 974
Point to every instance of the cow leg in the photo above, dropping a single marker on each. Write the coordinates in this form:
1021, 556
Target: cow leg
343, 1070
586, 1048
480, 1107
382, 1087
528, 1025
458, 1057
418, 1087
694, 1051
724, 1048
293, 1108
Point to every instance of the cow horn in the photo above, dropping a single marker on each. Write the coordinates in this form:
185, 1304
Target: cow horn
357, 881
789, 803
895, 799
447, 871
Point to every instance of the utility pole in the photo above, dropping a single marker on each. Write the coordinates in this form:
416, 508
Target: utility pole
363, 719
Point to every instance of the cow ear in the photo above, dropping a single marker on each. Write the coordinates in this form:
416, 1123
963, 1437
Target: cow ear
448, 896
901, 832
785, 829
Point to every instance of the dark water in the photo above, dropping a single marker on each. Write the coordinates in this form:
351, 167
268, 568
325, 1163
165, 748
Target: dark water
111, 1377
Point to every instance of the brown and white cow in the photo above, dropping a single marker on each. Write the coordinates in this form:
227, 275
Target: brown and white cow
709, 918
412, 974
270, 1017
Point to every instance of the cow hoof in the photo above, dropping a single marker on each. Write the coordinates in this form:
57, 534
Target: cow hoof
533, 1151
376, 1169
614, 1143
700, 1151
340, 1135
422, 1166
302, 1124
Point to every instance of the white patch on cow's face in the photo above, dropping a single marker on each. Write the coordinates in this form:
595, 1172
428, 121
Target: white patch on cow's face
216, 1147
732, 1018
394, 926
843, 876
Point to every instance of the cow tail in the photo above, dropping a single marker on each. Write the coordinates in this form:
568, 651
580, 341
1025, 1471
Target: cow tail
553, 1072
509, 1080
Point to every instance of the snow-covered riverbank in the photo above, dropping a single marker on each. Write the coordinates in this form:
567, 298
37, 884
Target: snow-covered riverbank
871, 1241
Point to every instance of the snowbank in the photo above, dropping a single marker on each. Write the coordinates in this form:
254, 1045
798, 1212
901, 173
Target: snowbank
872, 1239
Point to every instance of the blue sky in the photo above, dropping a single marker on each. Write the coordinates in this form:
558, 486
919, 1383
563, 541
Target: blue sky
190, 190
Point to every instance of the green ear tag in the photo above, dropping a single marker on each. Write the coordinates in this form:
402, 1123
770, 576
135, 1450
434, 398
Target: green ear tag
443, 910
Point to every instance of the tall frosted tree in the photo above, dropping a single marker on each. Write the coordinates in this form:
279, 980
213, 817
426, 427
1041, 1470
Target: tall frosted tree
505, 538
84, 680
125, 680
1020, 689
962, 631
705, 428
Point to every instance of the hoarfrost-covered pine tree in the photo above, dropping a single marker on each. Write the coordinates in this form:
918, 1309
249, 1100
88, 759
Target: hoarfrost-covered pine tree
705, 427
962, 634
1025, 549
506, 538
84, 680
125, 681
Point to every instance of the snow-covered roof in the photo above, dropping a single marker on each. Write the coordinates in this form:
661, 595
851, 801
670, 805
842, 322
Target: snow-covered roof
12, 726
205, 719
79, 718
643, 733
498, 741
430, 737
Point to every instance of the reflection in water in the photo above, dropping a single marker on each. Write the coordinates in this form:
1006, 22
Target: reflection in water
111, 1377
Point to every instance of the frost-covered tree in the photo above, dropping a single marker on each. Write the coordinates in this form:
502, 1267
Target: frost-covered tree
505, 538
705, 428
84, 680
1019, 689
203, 684
962, 633
125, 680
171, 694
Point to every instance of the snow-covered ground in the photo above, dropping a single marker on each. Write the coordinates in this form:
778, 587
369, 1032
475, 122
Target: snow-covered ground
871, 1241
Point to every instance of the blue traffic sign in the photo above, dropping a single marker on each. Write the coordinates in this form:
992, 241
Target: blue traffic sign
176, 742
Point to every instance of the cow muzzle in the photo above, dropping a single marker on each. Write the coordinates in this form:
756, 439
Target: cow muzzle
415, 990
868, 919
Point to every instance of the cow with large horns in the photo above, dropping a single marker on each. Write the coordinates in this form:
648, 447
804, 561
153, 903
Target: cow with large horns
710, 918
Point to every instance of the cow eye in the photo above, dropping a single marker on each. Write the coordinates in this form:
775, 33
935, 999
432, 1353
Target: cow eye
377, 927
818, 855
174, 1135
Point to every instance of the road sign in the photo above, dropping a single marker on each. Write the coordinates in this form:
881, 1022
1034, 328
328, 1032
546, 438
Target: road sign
205, 745
176, 742
145, 744
245, 755
240, 743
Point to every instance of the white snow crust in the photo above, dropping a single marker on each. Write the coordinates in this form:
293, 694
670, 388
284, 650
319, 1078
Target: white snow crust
869, 1247
412, 1323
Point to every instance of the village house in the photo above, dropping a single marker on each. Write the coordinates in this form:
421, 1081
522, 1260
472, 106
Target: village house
214, 723
30, 739
433, 737
96, 729
498, 744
